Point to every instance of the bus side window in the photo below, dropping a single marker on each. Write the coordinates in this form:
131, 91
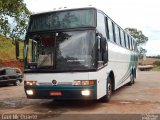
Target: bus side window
133, 44
107, 28
126, 39
129, 45
122, 38
110, 28
101, 24
117, 37
114, 36
136, 48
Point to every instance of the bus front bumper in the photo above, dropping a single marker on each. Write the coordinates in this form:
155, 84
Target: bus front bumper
61, 92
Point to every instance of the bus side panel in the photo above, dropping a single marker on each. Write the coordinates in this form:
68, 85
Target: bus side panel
101, 77
120, 63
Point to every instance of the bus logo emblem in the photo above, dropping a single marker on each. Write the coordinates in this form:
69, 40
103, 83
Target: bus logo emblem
54, 82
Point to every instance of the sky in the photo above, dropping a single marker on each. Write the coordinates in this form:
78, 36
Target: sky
140, 14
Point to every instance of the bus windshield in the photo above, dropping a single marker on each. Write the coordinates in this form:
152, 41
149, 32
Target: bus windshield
62, 20
74, 50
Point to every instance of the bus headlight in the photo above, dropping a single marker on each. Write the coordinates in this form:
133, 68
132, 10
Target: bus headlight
29, 92
30, 82
85, 92
83, 82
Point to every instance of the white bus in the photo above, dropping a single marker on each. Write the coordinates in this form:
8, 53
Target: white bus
77, 54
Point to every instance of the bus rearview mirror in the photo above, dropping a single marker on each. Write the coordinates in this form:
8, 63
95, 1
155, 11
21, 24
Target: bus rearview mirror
103, 44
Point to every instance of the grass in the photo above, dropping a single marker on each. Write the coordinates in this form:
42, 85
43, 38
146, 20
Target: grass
156, 68
7, 49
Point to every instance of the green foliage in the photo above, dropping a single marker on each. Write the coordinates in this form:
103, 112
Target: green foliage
7, 49
138, 35
14, 17
156, 68
158, 56
157, 63
142, 52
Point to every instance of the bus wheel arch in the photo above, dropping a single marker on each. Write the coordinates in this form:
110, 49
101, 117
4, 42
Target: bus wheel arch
110, 85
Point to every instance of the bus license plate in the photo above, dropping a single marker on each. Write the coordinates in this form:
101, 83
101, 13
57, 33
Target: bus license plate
55, 93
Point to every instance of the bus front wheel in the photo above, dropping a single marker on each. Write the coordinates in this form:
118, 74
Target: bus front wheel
107, 97
109, 89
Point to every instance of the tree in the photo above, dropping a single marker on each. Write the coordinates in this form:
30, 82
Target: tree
141, 39
142, 52
138, 35
14, 17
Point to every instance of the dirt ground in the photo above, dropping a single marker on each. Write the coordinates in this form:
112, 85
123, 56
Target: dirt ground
137, 102
12, 63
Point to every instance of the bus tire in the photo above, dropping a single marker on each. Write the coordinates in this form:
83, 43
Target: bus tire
17, 83
134, 77
135, 74
109, 89
131, 79
107, 97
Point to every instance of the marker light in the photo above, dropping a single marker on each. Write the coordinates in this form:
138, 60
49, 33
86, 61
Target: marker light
83, 82
85, 92
29, 92
77, 82
30, 82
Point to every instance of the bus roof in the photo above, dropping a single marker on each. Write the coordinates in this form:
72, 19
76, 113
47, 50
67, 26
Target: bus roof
63, 9
80, 8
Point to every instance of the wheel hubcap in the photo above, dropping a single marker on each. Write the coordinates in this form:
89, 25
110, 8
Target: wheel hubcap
17, 82
109, 89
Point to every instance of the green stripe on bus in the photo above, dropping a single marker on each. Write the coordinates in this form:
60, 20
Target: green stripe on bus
127, 74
